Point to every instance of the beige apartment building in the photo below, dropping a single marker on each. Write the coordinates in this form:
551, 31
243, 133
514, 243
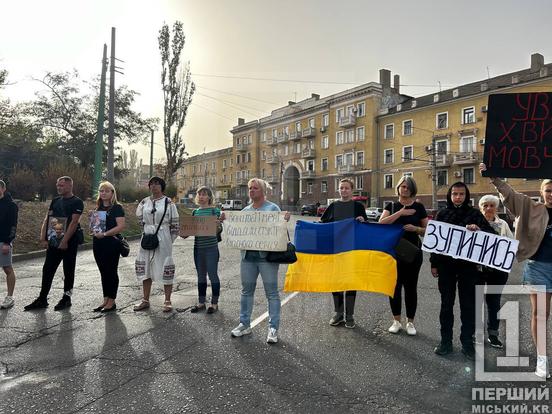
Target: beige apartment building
371, 133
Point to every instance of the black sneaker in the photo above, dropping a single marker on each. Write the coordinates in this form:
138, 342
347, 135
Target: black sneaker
350, 323
64, 302
38, 303
469, 352
495, 342
337, 319
444, 348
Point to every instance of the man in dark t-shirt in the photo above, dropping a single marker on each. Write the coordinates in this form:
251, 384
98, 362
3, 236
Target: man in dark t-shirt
65, 212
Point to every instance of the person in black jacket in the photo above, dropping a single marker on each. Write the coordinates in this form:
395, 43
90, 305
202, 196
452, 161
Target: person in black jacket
8, 225
452, 272
342, 209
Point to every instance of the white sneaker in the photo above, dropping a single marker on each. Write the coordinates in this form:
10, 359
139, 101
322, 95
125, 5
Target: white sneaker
240, 330
7, 303
395, 328
272, 336
542, 367
410, 329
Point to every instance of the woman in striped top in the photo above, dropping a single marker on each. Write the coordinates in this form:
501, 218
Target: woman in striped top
206, 254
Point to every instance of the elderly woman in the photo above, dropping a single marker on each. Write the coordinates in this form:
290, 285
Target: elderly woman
254, 262
157, 213
488, 205
534, 232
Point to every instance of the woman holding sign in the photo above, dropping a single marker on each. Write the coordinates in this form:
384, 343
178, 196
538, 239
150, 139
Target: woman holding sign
206, 254
534, 232
254, 262
106, 246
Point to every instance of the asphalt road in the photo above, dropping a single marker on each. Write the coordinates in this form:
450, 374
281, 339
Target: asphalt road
79, 361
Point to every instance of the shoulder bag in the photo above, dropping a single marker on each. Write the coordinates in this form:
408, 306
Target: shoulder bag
288, 256
151, 241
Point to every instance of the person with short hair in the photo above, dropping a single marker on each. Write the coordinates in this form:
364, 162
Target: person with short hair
344, 208
106, 244
412, 216
534, 232
70, 207
457, 272
8, 227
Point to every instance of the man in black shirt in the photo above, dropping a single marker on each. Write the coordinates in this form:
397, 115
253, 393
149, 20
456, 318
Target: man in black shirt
68, 206
8, 225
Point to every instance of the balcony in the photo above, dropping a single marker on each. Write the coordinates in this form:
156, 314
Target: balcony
272, 179
346, 169
309, 153
282, 137
347, 121
272, 159
241, 147
309, 132
272, 141
467, 158
306, 175
242, 181
294, 136
443, 160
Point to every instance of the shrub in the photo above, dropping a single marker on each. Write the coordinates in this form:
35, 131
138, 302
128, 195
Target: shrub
23, 184
82, 185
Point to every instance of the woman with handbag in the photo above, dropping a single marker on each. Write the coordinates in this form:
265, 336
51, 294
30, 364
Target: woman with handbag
106, 244
159, 219
413, 217
206, 254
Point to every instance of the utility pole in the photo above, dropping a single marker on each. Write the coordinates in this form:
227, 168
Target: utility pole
100, 127
151, 156
110, 139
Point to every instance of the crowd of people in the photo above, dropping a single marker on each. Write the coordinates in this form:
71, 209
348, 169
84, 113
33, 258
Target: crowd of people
159, 218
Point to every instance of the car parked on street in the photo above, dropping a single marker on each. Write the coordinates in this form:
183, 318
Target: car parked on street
374, 213
308, 210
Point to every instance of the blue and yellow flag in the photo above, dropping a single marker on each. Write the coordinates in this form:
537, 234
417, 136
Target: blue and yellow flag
344, 255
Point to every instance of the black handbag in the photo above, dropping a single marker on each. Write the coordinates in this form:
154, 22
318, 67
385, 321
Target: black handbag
288, 256
151, 241
406, 251
124, 247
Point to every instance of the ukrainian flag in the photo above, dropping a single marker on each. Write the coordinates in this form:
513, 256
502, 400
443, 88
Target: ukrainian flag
344, 255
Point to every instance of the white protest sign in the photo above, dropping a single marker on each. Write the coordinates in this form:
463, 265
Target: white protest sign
474, 246
255, 230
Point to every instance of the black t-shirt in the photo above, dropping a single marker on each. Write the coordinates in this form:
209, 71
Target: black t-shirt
113, 212
66, 207
544, 253
341, 210
415, 219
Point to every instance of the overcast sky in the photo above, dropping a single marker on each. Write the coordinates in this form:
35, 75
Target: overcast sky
322, 46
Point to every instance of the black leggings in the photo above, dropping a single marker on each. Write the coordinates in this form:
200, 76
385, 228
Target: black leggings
54, 257
350, 297
106, 254
407, 277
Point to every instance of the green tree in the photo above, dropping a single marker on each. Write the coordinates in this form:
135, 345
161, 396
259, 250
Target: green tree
178, 90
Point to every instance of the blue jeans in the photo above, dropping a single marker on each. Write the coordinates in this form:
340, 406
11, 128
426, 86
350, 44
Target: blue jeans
269, 273
206, 262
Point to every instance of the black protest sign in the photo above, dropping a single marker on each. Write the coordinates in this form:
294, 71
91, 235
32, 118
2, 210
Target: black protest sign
518, 139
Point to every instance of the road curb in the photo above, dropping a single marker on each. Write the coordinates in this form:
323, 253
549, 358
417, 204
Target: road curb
41, 253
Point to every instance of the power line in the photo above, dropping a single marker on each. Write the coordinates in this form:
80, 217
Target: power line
213, 112
237, 95
232, 104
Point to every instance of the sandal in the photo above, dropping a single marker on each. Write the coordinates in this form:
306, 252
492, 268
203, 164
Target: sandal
167, 306
212, 308
142, 306
197, 308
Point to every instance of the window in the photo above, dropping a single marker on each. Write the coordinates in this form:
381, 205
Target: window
213, 165
248, 157
263, 136
360, 158
324, 164
336, 185
325, 142
388, 156
361, 109
442, 147
263, 155
360, 134
359, 182
350, 135
468, 175
389, 131
407, 127
224, 163
297, 148
194, 168
349, 158
408, 153
238, 192
286, 130
442, 120
286, 150
274, 133
388, 181
238, 175
311, 122
309, 188
231, 161
442, 178
298, 126
263, 173
467, 144
468, 115
338, 161
238, 159
324, 187
339, 113
310, 165
339, 138
325, 120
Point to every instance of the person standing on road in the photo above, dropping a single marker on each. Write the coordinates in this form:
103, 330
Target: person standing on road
69, 206
413, 217
344, 208
452, 272
206, 254
106, 245
8, 226
254, 262
488, 205
534, 232
157, 212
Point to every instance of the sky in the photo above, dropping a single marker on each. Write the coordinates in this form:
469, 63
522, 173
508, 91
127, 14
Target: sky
249, 57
